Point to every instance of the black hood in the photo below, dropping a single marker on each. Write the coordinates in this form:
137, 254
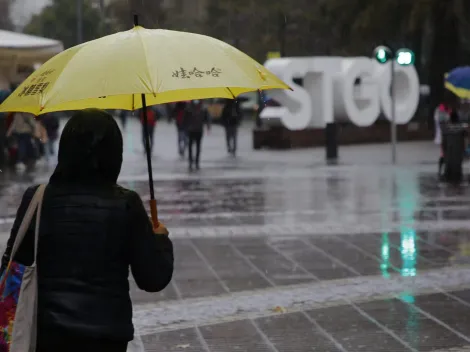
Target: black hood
90, 149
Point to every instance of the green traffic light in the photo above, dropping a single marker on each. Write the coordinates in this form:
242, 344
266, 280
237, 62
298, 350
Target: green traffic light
405, 57
382, 54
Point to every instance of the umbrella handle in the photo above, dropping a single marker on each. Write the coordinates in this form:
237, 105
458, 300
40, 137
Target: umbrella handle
154, 213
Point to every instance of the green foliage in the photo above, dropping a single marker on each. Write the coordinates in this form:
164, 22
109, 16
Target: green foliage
59, 21
433, 29
260, 26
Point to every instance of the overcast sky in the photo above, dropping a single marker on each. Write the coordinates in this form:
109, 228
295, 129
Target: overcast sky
22, 10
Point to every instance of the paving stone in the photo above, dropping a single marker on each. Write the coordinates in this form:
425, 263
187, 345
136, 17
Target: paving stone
277, 251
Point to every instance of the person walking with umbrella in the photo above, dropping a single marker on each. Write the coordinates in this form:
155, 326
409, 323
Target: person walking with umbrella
457, 82
92, 233
139, 68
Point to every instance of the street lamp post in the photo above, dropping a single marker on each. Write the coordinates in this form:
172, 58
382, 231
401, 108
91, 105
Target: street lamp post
393, 131
402, 57
79, 21
282, 33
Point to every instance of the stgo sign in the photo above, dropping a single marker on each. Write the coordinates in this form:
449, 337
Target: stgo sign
338, 89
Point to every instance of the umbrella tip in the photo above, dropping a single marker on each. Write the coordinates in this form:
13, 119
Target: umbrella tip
136, 20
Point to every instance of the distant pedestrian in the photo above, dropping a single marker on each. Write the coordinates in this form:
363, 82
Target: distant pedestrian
261, 104
123, 119
41, 139
151, 123
3, 129
179, 112
231, 117
194, 120
454, 145
23, 130
441, 118
51, 123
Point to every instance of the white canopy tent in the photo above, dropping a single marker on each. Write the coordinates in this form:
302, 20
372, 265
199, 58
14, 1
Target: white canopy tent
18, 49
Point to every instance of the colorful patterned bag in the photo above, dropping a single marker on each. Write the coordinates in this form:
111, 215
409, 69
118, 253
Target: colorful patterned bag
18, 290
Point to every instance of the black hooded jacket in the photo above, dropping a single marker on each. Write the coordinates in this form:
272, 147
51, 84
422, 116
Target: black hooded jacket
91, 232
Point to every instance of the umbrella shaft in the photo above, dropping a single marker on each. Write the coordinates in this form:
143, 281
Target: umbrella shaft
147, 147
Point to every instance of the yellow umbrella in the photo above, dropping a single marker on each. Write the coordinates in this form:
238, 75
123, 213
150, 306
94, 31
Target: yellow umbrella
112, 72
132, 69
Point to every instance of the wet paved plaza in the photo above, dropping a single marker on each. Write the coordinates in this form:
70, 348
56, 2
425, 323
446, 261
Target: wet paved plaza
275, 251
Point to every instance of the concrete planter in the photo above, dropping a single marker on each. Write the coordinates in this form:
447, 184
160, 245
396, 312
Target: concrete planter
281, 138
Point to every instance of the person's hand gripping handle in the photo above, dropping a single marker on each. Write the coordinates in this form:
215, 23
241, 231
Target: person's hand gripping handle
158, 227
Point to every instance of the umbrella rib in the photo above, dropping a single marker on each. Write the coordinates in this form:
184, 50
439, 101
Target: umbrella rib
144, 47
230, 91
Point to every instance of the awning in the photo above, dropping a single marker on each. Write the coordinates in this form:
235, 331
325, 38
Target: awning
27, 49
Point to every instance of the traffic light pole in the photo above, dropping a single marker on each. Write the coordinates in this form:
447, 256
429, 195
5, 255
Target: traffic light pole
402, 57
393, 132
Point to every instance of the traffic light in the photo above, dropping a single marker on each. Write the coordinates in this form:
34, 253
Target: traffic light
405, 57
382, 54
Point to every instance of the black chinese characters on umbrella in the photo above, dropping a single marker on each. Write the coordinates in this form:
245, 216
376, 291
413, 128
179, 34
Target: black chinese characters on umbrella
38, 85
195, 72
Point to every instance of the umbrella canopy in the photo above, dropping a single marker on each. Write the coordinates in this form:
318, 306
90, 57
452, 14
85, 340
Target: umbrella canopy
458, 82
136, 68
112, 72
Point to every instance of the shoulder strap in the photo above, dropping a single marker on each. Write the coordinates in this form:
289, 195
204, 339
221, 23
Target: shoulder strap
35, 204
41, 190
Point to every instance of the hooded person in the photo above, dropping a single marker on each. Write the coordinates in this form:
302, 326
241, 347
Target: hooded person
92, 231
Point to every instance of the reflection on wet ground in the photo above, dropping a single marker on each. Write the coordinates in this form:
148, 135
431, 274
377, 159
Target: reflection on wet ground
217, 266
249, 193
226, 265
355, 194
